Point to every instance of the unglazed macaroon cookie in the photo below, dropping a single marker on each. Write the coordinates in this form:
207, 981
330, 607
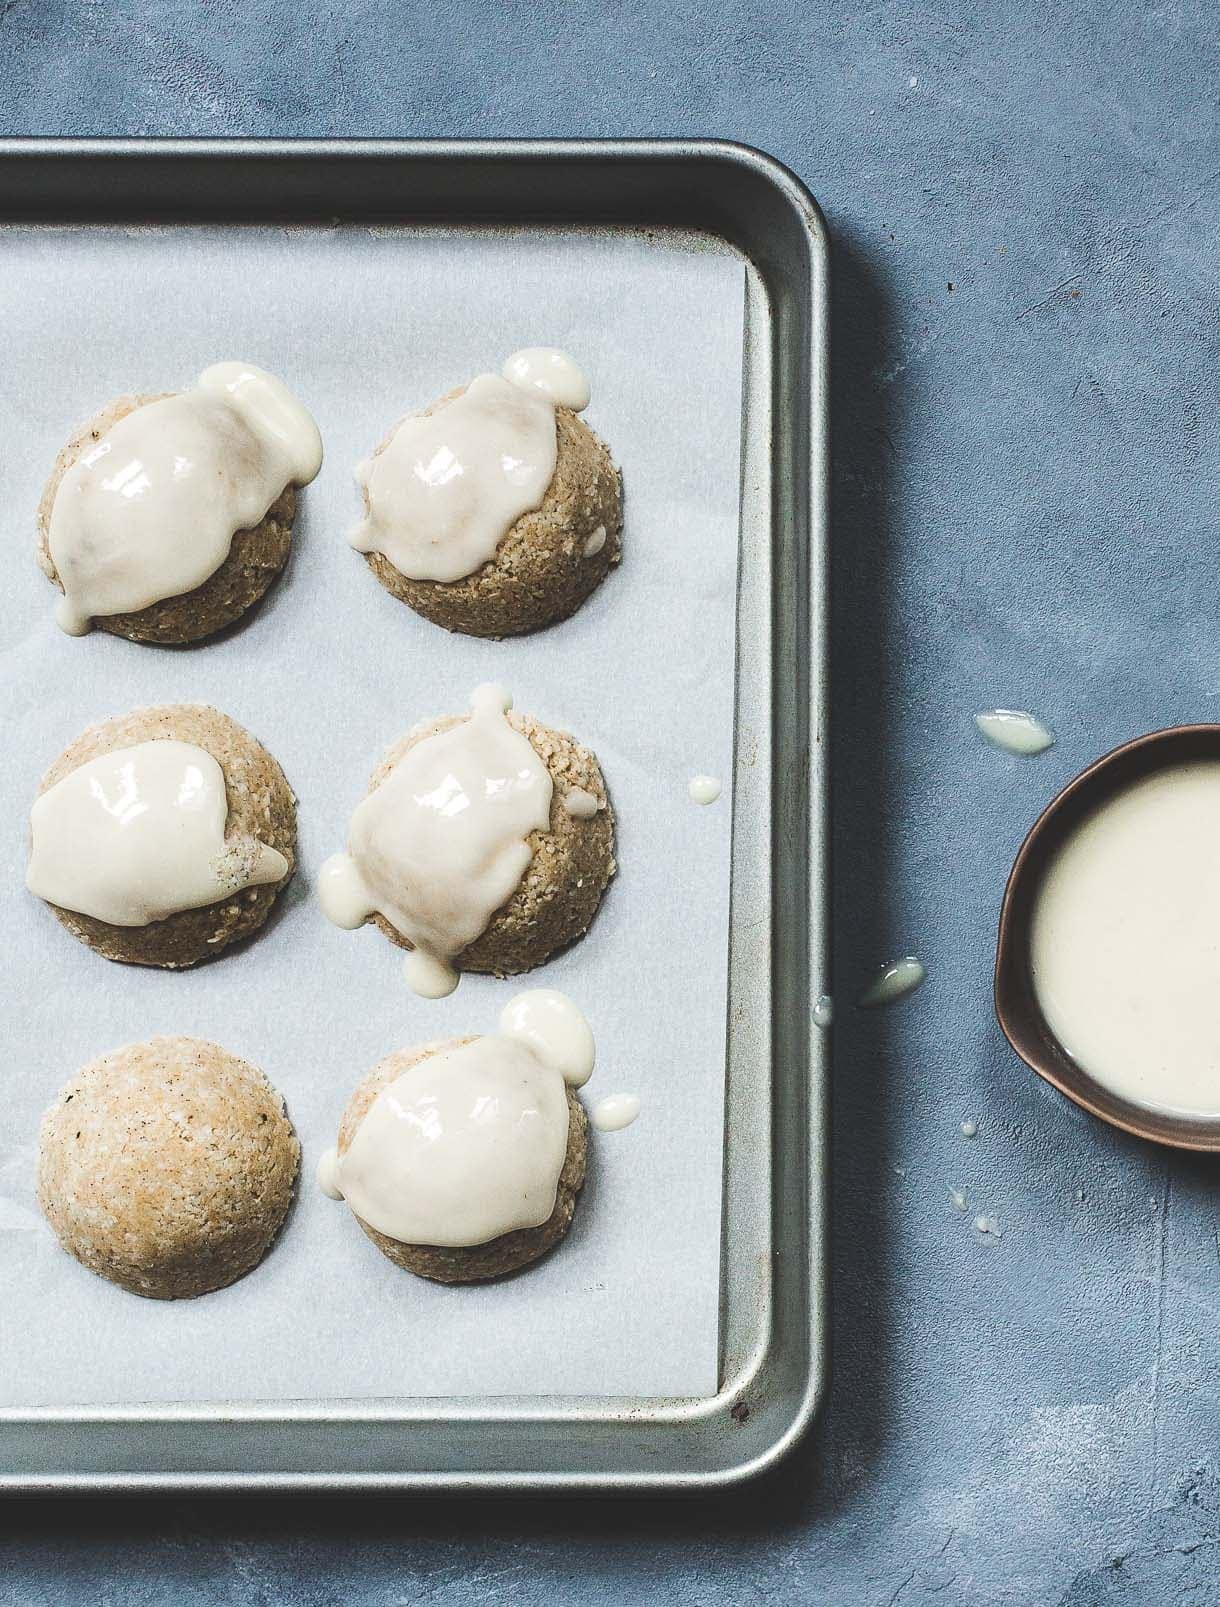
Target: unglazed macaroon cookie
162, 836
463, 1160
167, 1167
485, 843
166, 517
497, 510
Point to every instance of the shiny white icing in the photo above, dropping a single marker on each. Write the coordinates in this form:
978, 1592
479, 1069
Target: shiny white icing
1014, 730
551, 371
327, 1174
150, 510
442, 843
446, 488
555, 1030
342, 894
616, 1111
581, 805
427, 976
469, 1142
139, 834
704, 789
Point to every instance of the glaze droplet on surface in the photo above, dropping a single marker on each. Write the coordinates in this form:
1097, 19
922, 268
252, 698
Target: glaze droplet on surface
469, 1142
442, 843
427, 976
342, 894
555, 1029
150, 510
1015, 731
551, 371
704, 789
138, 834
327, 1174
824, 1011
960, 1202
969, 1129
581, 805
595, 542
449, 484
893, 982
616, 1111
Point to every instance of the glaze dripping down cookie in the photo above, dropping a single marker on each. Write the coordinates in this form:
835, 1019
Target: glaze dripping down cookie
464, 852
495, 511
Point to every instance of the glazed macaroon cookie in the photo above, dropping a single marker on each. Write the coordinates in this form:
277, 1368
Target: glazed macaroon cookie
463, 1160
167, 1167
485, 843
166, 517
162, 836
497, 510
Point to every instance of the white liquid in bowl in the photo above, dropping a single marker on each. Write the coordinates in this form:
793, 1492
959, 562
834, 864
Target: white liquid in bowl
1125, 941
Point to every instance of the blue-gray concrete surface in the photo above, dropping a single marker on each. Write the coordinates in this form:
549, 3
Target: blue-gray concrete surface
1024, 203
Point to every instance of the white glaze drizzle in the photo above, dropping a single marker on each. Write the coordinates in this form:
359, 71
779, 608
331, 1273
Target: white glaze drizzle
428, 976
893, 982
550, 371
555, 1030
447, 487
616, 1111
469, 1142
327, 1174
704, 789
441, 844
139, 834
150, 510
1014, 730
581, 805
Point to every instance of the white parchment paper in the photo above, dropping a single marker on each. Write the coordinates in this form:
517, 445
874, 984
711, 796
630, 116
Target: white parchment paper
365, 325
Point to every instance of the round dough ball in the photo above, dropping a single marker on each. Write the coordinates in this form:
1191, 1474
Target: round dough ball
261, 804
498, 1257
255, 558
572, 864
549, 561
167, 1167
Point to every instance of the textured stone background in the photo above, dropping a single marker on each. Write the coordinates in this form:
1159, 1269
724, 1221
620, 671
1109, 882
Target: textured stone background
1024, 202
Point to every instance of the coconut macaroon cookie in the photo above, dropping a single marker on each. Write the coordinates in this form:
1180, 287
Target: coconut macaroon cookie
497, 510
162, 836
166, 517
167, 1167
485, 843
463, 1160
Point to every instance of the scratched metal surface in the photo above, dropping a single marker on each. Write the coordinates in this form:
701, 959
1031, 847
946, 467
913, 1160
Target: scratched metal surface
1026, 514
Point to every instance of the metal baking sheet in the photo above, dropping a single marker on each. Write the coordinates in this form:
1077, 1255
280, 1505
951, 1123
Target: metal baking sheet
771, 1308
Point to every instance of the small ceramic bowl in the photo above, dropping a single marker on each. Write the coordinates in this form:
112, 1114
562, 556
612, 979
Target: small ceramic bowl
1016, 1004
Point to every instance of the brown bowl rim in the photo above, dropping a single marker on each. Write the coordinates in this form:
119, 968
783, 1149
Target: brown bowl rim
1016, 1006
